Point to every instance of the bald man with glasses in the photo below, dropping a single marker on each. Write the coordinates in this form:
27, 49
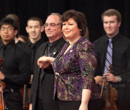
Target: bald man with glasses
41, 96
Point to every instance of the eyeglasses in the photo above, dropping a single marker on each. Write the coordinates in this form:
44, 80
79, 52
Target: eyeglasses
51, 24
9, 29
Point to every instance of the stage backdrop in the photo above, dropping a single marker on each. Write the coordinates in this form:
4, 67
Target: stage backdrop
91, 8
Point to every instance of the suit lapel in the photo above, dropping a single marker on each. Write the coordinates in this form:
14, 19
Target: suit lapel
41, 53
56, 50
103, 52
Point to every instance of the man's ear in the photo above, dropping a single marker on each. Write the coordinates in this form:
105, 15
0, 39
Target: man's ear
15, 32
119, 24
42, 28
26, 28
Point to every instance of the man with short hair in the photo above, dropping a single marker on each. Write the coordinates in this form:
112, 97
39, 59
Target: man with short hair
120, 56
34, 29
16, 18
15, 68
41, 96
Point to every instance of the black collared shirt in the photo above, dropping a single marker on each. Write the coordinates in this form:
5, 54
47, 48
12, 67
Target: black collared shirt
53, 45
16, 66
20, 44
28, 49
120, 57
37, 44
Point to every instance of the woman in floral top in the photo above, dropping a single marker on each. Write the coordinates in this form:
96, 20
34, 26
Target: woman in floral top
75, 66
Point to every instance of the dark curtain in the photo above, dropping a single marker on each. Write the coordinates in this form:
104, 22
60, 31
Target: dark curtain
91, 8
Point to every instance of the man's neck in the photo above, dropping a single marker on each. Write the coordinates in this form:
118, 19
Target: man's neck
16, 40
112, 35
6, 42
33, 41
54, 39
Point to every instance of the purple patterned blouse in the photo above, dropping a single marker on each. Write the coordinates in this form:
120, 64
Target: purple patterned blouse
75, 70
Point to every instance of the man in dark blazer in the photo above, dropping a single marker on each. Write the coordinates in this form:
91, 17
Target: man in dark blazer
34, 29
41, 96
121, 52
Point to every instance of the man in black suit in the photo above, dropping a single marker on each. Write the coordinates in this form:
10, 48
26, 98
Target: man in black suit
34, 29
121, 52
41, 96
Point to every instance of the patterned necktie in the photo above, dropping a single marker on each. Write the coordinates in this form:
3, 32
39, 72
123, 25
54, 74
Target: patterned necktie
49, 49
108, 56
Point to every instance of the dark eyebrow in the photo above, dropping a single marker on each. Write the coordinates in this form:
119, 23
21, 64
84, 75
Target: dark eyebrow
7, 27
